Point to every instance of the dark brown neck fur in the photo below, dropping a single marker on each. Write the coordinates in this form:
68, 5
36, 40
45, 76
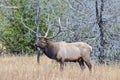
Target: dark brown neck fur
51, 49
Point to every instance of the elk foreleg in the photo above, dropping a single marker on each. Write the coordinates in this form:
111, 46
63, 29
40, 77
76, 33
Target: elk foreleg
61, 64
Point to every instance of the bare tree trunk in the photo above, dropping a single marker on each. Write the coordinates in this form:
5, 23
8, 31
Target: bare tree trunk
37, 27
100, 24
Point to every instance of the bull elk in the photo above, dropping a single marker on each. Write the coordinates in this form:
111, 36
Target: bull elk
66, 52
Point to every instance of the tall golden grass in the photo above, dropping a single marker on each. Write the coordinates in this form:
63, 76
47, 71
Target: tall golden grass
26, 68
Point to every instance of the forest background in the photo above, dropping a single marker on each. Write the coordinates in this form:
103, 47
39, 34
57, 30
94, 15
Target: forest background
96, 22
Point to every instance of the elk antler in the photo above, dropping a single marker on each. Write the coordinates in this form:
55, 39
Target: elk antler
48, 29
60, 29
46, 34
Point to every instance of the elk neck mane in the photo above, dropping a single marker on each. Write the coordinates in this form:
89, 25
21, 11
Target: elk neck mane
51, 49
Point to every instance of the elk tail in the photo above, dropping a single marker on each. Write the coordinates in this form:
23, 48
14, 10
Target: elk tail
90, 48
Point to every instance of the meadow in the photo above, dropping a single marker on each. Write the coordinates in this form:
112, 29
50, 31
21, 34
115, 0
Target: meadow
27, 68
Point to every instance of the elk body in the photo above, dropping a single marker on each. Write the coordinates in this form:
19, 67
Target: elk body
67, 52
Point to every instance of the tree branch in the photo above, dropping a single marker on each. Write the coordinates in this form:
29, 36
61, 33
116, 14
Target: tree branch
26, 26
8, 7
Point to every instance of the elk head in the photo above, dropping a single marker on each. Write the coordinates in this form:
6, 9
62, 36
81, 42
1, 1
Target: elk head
42, 44
44, 39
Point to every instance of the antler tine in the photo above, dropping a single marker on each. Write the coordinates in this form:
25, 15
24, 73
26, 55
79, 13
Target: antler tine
39, 36
46, 34
59, 26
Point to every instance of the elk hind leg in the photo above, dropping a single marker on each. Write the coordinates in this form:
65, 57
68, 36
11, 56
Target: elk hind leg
81, 63
87, 61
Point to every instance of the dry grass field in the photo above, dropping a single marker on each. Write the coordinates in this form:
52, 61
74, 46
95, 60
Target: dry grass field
26, 68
